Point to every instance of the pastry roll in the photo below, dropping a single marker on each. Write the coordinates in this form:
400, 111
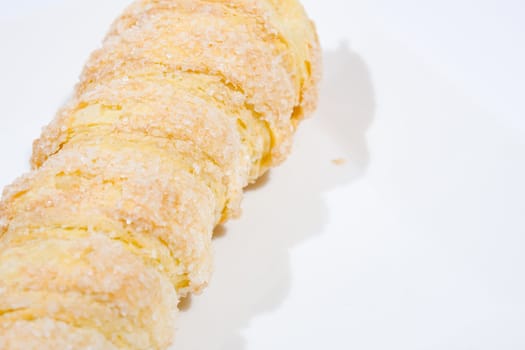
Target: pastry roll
185, 103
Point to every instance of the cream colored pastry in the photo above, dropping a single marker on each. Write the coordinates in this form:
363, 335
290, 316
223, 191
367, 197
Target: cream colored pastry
186, 103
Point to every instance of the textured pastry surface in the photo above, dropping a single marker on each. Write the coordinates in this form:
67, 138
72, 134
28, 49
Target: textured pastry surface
185, 103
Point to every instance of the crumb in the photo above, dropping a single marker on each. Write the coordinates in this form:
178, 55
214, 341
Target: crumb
339, 161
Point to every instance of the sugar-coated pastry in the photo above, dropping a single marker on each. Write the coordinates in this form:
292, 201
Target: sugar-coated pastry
185, 103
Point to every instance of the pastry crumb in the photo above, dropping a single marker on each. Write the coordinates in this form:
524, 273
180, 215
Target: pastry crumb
339, 161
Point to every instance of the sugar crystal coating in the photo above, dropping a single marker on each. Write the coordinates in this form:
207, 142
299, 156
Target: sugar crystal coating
185, 103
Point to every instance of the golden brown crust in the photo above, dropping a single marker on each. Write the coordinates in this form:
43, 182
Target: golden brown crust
185, 104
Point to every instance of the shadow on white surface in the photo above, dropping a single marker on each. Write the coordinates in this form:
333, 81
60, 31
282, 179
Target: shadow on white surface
253, 256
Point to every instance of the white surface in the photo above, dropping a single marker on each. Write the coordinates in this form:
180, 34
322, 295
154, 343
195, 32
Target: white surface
415, 243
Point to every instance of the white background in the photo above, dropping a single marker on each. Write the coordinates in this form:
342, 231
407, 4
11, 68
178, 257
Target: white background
416, 242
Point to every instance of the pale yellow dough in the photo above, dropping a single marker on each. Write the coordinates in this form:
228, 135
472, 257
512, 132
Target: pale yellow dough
186, 103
